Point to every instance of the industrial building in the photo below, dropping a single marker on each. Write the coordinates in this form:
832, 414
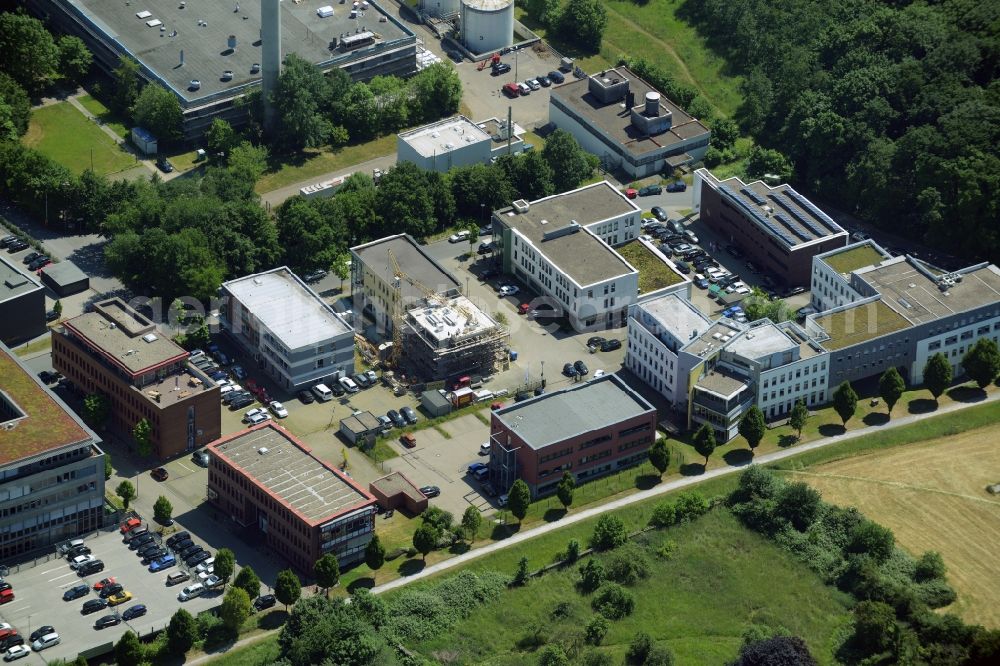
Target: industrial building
590, 429
561, 247
486, 25
457, 141
65, 278
51, 466
776, 227
296, 338
652, 135
116, 352
450, 337
22, 305
210, 54
269, 483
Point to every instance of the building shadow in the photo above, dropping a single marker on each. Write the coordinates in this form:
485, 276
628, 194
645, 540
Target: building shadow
921, 406
832, 429
876, 419
411, 567
552, 515
784, 441
738, 457
647, 481
967, 394
692, 469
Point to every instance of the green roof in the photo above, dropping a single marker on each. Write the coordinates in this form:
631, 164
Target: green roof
654, 273
854, 258
860, 323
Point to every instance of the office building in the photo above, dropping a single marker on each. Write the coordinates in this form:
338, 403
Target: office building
212, 54
51, 466
296, 338
116, 352
831, 274
457, 142
627, 123
561, 247
590, 429
778, 229
269, 484
22, 304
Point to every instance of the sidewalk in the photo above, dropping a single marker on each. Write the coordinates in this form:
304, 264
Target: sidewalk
640, 496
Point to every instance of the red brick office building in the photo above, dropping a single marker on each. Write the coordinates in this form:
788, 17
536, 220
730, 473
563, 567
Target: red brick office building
269, 483
115, 351
591, 428
777, 228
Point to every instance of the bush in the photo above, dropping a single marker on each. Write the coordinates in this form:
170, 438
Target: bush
929, 566
628, 567
418, 614
661, 655
553, 655
609, 532
639, 648
664, 514
597, 658
935, 593
690, 506
572, 551
614, 602
596, 630
591, 575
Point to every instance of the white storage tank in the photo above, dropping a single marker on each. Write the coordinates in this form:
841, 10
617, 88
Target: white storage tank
487, 25
439, 8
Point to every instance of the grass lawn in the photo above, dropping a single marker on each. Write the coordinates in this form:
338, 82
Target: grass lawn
61, 132
33, 347
104, 114
653, 272
314, 163
853, 259
720, 579
933, 496
262, 652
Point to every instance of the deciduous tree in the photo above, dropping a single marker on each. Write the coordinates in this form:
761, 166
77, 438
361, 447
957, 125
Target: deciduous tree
472, 520
375, 553
437, 91
891, 387
797, 419
799, 504
159, 111
704, 441
299, 100
126, 86
564, 491
96, 410
30, 55
182, 632
128, 650
287, 588
753, 427
220, 139
74, 58
327, 572
225, 563
937, 375
659, 455
609, 532
845, 401
582, 22
248, 581
569, 163
519, 499
235, 608
982, 362
19, 104
125, 491
425, 539
162, 509
142, 436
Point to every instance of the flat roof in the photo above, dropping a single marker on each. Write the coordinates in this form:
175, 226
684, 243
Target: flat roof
444, 136
38, 420
577, 409
677, 315
282, 466
361, 422
14, 282
395, 483
176, 387
202, 29
656, 270
413, 260
124, 337
611, 120
761, 341
860, 323
714, 338
720, 384
582, 255
492, 126
454, 319
64, 273
851, 258
288, 307
779, 211
912, 292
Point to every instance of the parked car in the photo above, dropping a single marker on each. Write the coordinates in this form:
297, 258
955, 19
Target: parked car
533, 84
99, 585
133, 612
239, 372
361, 379
581, 368
30, 257
197, 558
129, 525
191, 591
140, 541
650, 190
264, 602
7, 240
556, 76
305, 397
349, 385
511, 89
205, 566
16, 652
408, 440
314, 276
79, 560
501, 68
631, 192
544, 80
484, 450
278, 409
241, 401
46, 641
107, 621
164, 562
523, 88
509, 290
178, 577
6, 596
150, 556
430, 491
93, 605
396, 418
659, 213
181, 545
475, 467
677, 186
76, 592
90, 568
164, 165
190, 551
611, 345
109, 590
160, 474
408, 414
569, 370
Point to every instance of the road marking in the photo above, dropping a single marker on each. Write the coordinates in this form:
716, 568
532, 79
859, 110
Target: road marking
48, 571
71, 573
186, 467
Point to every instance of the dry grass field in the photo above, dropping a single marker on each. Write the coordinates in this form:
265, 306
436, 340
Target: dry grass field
932, 495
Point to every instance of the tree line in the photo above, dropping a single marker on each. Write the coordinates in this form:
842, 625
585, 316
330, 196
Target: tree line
890, 108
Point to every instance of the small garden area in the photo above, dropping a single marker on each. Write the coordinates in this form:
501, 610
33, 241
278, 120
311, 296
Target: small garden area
65, 135
654, 273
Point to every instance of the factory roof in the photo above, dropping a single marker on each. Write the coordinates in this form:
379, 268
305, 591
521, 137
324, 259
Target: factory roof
290, 310
454, 319
444, 136
34, 420
156, 33
14, 282
580, 408
912, 288
584, 257
413, 260
610, 121
779, 211
284, 468
859, 255
125, 338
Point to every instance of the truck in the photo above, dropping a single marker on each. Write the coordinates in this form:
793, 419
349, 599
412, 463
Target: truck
462, 397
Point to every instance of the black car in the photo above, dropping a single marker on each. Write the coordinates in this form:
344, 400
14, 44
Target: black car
544, 81
484, 248
181, 545
361, 379
306, 397
164, 165
677, 186
108, 590
10, 641
430, 491
408, 414
198, 558
76, 592
38, 262
264, 601
93, 605
595, 341
659, 213
77, 550
148, 548
7, 240
581, 368
30, 257
17, 246
502, 68
41, 631
91, 567
556, 76
153, 555
396, 418
611, 345
189, 551
177, 538
140, 541
569, 370
336, 389
133, 612
241, 402
51, 315
107, 621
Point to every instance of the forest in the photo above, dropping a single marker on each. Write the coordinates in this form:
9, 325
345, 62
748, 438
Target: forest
888, 110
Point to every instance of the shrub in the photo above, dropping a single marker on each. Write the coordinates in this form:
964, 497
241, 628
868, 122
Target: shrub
667, 550
614, 602
596, 658
936, 593
874, 625
628, 567
774, 651
572, 551
553, 655
561, 611
439, 518
690, 506
661, 655
929, 567
871, 538
664, 514
596, 630
639, 648
591, 575
609, 532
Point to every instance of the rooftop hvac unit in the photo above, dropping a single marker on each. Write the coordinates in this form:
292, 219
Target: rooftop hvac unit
149, 337
262, 450
521, 205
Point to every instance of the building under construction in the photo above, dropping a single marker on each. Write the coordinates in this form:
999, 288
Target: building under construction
450, 337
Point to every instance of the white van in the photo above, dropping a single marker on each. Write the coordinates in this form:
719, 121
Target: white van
460, 236
191, 591
322, 392
349, 385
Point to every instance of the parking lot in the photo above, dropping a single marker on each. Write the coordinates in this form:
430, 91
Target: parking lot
39, 599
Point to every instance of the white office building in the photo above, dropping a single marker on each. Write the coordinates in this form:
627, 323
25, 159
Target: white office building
297, 339
830, 286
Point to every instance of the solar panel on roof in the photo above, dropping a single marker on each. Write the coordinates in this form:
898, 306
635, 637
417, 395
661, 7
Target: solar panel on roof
755, 214
757, 199
809, 206
795, 229
797, 214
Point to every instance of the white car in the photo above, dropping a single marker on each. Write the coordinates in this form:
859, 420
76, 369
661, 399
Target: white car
278, 409
744, 290
207, 565
15, 653
688, 234
599, 373
257, 419
534, 84
226, 389
372, 377
223, 383
213, 581
502, 500
46, 641
79, 560
205, 575
349, 385
191, 591
484, 448
509, 290
250, 413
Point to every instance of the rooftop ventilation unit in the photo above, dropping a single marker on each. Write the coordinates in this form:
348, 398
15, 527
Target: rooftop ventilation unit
149, 337
521, 205
262, 450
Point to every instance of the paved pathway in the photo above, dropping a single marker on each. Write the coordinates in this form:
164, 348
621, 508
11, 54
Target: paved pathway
640, 496
276, 197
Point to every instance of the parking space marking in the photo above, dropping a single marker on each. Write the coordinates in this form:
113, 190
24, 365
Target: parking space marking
186, 467
71, 573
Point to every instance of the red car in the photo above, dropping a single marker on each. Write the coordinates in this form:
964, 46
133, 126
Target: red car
99, 585
6, 596
511, 90
631, 193
523, 308
408, 440
130, 524
160, 474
